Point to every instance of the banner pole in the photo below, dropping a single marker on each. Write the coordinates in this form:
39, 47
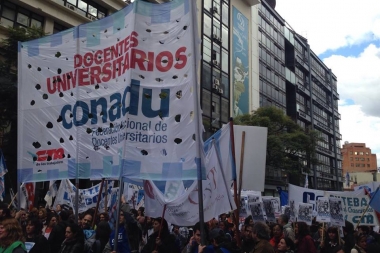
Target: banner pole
77, 138
198, 114
361, 217
13, 199
19, 194
97, 203
116, 241
162, 222
105, 196
241, 160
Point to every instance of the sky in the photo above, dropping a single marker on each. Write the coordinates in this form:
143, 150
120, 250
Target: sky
345, 34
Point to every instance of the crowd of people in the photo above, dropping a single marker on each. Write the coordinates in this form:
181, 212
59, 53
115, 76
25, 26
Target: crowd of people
55, 230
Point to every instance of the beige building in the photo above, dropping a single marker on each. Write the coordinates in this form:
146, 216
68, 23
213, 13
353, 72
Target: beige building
359, 178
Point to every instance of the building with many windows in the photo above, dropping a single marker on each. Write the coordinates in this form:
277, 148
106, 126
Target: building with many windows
358, 158
294, 79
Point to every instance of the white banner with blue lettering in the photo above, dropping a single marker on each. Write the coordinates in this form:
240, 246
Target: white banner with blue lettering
114, 97
353, 203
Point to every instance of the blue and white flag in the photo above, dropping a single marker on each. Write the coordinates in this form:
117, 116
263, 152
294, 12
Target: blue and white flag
306, 181
114, 97
3, 171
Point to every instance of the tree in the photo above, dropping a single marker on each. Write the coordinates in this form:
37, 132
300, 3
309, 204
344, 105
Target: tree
289, 147
8, 91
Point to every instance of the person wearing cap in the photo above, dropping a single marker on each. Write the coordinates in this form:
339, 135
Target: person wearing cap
261, 235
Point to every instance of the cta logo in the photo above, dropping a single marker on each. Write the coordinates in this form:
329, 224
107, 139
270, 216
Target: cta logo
48, 155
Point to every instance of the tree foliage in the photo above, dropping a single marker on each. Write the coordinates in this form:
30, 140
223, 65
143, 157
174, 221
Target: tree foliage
8, 72
289, 147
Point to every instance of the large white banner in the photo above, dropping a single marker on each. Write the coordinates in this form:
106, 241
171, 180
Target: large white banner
183, 210
353, 203
114, 97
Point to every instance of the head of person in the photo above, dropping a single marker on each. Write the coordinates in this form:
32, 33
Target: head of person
87, 221
333, 234
58, 208
364, 230
260, 231
277, 231
248, 232
104, 217
361, 240
213, 223
103, 230
74, 232
42, 213
10, 231
157, 224
5, 213
283, 219
248, 220
141, 211
33, 227
197, 232
64, 215
217, 236
175, 229
302, 229
52, 220
285, 244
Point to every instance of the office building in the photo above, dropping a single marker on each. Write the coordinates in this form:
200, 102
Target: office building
358, 158
294, 79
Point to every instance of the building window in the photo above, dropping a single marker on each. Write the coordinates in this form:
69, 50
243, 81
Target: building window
350, 152
59, 28
87, 8
361, 153
16, 16
356, 153
368, 165
352, 165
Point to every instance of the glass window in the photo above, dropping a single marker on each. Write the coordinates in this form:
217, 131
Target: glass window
215, 108
225, 86
82, 5
8, 13
207, 25
225, 61
206, 102
225, 14
206, 76
225, 37
225, 110
206, 49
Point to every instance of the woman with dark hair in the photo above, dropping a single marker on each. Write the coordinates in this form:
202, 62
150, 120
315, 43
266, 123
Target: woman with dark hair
51, 222
161, 240
304, 242
102, 235
360, 243
34, 238
11, 237
286, 245
277, 235
332, 242
74, 242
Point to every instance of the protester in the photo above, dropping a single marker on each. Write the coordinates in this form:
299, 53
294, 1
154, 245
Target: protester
5, 213
103, 232
11, 237
304, 242
195, 240
360, 243
261, 235
317, 237
104, 217
161, 240
51, 221
179, 239
74, 242
277, 235
89, 233
34, 236
57, 235
248, 243
42, 215
332, 241
220, 243
349, 238
283, 220
286, 245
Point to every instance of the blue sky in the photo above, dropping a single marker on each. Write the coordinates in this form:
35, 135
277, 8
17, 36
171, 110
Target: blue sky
346, 36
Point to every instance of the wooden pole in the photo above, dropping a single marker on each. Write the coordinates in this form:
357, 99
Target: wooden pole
361, 217
162, 222
105, 197
236, 194
97, 203
13, 199
241, 160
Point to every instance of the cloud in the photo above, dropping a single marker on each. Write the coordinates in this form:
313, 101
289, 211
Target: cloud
332, 24
359, 127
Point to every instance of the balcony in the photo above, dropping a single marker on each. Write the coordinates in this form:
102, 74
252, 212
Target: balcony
302, 61
323, 126
321, 102
338, 136
302, 114
326, 175
336, 95
302, 88
325, 151
336, 113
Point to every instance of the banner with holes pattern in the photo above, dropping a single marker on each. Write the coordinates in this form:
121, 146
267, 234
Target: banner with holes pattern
114, 97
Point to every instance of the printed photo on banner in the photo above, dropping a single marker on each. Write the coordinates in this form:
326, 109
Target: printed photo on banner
243, 206
252, 199
276, 203
269, 210
305, 213
285, 210
336, 212
323, 210
257, 211
292, 211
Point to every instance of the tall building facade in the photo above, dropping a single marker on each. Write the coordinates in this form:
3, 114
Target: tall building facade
358, 158
294, 79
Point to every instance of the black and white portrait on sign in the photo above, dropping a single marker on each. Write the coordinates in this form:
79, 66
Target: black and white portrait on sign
269, 210
323, 210
336, 212
305, 213
257, 211
292, 211
252, 199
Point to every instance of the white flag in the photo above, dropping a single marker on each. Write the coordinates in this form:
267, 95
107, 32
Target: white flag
184, 210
